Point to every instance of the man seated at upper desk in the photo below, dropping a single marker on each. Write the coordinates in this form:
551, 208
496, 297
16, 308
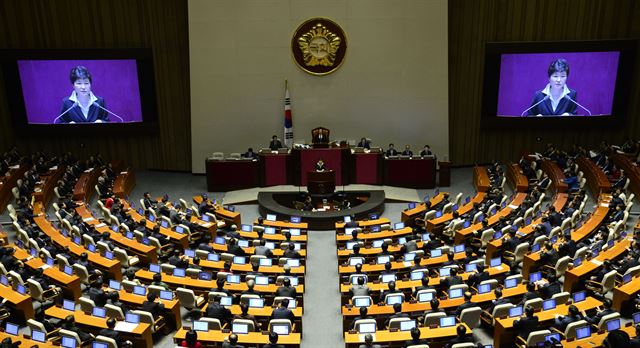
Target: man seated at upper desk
364, 143
250, 154
275, 143
407, 151
391, 151
426, 151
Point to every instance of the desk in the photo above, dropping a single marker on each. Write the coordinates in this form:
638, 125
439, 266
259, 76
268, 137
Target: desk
363, 224
44, 192
227, 175
228, 216
408, 216
437, 222
367, 168
503, 334
555, 174
111, 266
596, 179
376, 235
631, 171
27, 343
215, 337
175, 237
275, 169
596, 339
516, 179
140, 336
385, 336
573, 276
481, 179
124, 183
7, 183
321, 183
624, 293
83, 190
303, 226
172, 306
23, 303
413, 172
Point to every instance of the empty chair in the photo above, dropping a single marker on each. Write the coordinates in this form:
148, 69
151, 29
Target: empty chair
561, 266
561, 297
534, 338
518, 253
188, 299
448, 208
125, 260
607, 284
245, 298
36, 291
471, 316
501, 310
286, 322
128, 285
114, 312
493, 283
15, 278
570, 331
86, 304
73, 335
110, 342
536, 303
250, 324
146, 317
214, 323
35, 325
433, 318
394, 323
82, 273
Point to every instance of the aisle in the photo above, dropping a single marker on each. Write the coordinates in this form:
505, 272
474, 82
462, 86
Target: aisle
322, 321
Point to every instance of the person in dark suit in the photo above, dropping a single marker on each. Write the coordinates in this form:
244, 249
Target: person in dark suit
391, 151
234, 248
97, 295
82, 106
111, 333
550, 256
368, 342
466, 304
275, 143
562, 322
250, 154
286, 289
218, 311
69, 323
244, 314
530, 294
320, 166
363, 315
232, 342
556, 99
426, 151
152, 306
607, 304
282, 312
453, 279
477, 278
498, 301
415, 338
552, 287
524, 326
273, 341
397, 313
364, 143
407, 151
461, 337
435, 307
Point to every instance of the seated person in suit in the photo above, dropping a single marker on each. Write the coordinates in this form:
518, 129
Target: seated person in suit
111, 333
530, 294
407, 151
461, 337
529, 323
391, 151
360, 289
363, 315
114, 299
554, 286
320, 166
283, 312
466, 304
69, 323
561, 322
368, 342
250, 154
244, 314
308, 204
435, 307
217, 311
364, 143
607, 304
426, 151
286, 289
498, 301
273, 341
453, 279
97, 295
415, 338
231, 342
153, 306
397, 313
275, 143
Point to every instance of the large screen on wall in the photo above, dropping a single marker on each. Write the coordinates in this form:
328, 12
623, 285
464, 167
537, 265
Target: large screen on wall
548, 83
80, 89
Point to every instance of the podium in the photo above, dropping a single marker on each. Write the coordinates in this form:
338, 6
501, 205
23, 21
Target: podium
321, 183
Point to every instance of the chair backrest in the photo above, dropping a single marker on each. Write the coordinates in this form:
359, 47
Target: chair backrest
278, 299
214, 323
186, 297
561, 297
145, 317
464, 345
82, 272
609, 281
213, 294
581, 253
111, 343
121, 255
35, 325
521, 249
603, 321
281, 322
155, 289
73, 334
536, 303
114, 312
419, 346
633, 271
536, 337
501, 310
562, 265
433, 318
429, 215
35, 289
128, 285
463, 286
570, 331
394, 323
15, 278
471, 316
167, 268
394, 294
86, 304
246, 297
447, 208
486, 236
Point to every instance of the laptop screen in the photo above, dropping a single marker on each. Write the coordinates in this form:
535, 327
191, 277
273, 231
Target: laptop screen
154, 267
241, 329
12, 329
362, 302
471, 267
261, 280
455, 293
132, 318
510, 283
293, 262
412, 205
294, 231
583, 332
296, 219
398, 225
579, 296
484, 288
436, 252
388, 278
535, 248
189, 253
256, 302
226, 301
219, 240
152, 218
458, 248
166, 295
384, 259
549, 304
180, 229
534, 277
367, 328
347, 218
139, 290
495, 262
204, 275
99, 312
200, 325
69, 305
21, 289
164, 223
445, 271
636, 318
356, 260
68, 270
269, 230
417, 275
555, 337
515, 311
38, 336
425, 297
613, 324
439, 213
354, 280
68, 342
271, 217
265, 262
447, 321
213, 257
377, 243
239, 260
407, 325
391, 300
246, 228
108, 255
233, 278
280, 329
375, 228
627, 278
179, 272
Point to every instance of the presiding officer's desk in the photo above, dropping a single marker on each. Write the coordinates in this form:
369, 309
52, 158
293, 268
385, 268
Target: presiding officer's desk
504, 334
439, 334
215, 338
140, 335
415, 172
70, 284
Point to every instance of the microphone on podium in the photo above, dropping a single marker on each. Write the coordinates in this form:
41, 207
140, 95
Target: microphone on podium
568, 97
64, 112
534, 105
109, 111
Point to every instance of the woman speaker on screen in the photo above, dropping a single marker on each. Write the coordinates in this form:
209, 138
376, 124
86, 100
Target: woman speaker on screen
82, 106
556, 99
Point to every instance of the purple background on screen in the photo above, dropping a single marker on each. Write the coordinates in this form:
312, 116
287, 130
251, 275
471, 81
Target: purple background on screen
45, 83
591, 74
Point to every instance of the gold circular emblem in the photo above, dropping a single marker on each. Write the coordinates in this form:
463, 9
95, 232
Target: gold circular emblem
319, 46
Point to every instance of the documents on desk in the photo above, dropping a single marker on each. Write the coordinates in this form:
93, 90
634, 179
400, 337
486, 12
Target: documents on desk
125, 327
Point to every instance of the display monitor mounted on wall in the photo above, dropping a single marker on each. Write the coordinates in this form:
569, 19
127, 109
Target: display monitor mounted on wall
578, 84
67, 91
